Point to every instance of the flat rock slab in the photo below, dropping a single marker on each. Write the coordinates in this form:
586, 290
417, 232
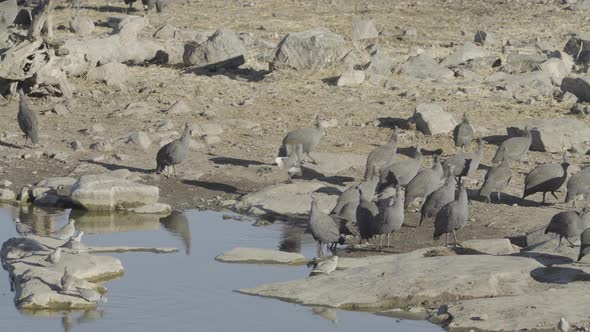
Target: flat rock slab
331, 164
290, 200
407, 280
431, 119
491, 246
553, 135
37, 282
539, 310
261, 256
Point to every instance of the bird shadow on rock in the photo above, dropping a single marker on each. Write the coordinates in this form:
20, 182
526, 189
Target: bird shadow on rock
247, 74
310, 174
331, 80
505, 199
104, 8
10, 145
235, 161
408, 151
559, 275
544, 258
329, 191
389, 122
495, 139
215, 186
114, 167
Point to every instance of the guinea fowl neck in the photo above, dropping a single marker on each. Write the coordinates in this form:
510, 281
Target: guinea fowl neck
186, 135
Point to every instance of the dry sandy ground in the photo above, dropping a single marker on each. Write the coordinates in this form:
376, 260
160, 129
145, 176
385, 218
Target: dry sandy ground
282, 101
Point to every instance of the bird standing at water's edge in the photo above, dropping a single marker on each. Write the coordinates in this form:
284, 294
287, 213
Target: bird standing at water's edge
174, 152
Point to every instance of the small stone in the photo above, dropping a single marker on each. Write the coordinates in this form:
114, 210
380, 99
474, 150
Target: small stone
410, 33
211, 140
431, 119
77, 146
179, 107
97, 128
5, 184
101, 146
165, 125
60, 109
120, 156
351, 78
483, 38
82, 25
7, 195
140, 139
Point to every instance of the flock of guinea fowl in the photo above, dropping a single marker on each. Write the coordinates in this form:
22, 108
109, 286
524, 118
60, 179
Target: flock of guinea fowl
375, 206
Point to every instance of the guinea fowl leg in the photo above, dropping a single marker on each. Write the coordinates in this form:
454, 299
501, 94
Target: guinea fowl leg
380, 240
570, 242
447, 240
318, 250
174, 168
553, 193
559, 245
499, 193
455, 238
313, 161
388, 234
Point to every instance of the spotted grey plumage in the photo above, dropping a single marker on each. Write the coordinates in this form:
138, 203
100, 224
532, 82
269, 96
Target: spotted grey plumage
174, 152
466, 163
438, 198
54, 257
452, 217
27, 120
67, 231
325, 266
568, 224
496, 180
402, 171
291, 163
584, 244
424, 183
391, 216
308, 138
322, 227
382, 156
578, 185
514, 148
546, 178
463, 133
366, 217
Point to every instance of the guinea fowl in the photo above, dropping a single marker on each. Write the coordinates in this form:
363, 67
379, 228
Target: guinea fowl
174, 152
452, 217
438, 198
466, 163
309, 138
291, 163
366, 217
401, 172
159, 4
514, 148
322, 227
350, 195
578, 184
584, 244
27, 120
424, 183
568, 224
546, 178
496, 180
382, 156
391, 217
463, 133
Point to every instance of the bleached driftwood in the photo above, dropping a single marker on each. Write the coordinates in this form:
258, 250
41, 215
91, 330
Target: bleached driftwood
43, 20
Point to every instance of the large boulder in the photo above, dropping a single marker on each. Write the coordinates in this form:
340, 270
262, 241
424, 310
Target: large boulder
104, 192
556, 134
578, 85
223, 49
310, 50
466, 52
431, 119
423, 67
292, 200
556, 68
380, 67
407, 279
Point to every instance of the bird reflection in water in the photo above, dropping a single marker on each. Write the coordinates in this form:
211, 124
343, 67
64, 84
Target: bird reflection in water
177, 224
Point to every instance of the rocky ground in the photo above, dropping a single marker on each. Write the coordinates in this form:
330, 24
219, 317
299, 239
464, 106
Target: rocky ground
242, 114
